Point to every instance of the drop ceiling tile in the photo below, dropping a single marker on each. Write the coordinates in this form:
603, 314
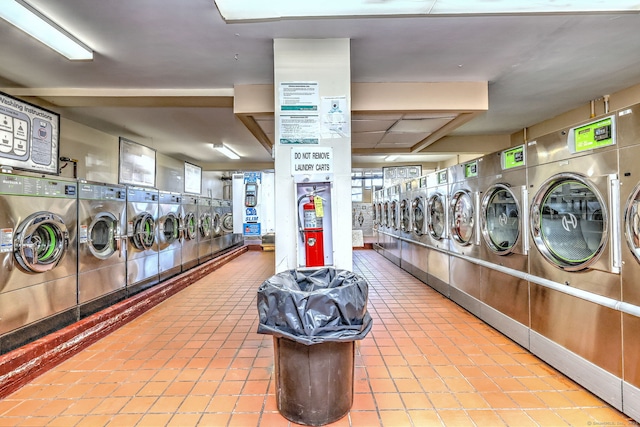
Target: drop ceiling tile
366, 139
371, 125
403, 138
419, 125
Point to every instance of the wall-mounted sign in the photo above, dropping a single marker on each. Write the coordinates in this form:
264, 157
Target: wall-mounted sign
311, 160
299, 119
192, 178
442, 177
593, 135
513, 157
29, 136
137, 164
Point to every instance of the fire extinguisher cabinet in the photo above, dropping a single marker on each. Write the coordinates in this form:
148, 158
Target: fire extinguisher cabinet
315, 317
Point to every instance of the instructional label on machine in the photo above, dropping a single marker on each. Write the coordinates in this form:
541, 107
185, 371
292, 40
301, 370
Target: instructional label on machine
84, 236
307, 160
6, 240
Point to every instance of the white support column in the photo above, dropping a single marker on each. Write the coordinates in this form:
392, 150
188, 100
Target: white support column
325, 62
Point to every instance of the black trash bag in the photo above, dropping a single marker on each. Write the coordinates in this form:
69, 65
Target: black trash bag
314, 306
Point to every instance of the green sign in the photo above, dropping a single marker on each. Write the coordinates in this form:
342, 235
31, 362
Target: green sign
471, 169
594, 135
513, 158
442, 177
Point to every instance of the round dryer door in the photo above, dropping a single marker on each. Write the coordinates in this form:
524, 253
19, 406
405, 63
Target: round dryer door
437, 216
103, 235
375, 214
215, 225
144, 235
227, 223
205, 225
405, 216
500, 219
462, 217
568, 222
418, 216
632, 223
393, 214
41, 242
169, 228
190, 226
385, 215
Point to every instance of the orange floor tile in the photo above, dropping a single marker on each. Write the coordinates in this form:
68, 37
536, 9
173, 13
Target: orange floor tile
196, 359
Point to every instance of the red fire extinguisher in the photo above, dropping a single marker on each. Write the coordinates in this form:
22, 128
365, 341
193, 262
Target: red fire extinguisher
312, 234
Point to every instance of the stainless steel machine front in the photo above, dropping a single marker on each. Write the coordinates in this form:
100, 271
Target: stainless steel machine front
142, 243
190, 231
464, 210
504, 227
574, 225
101, 246
170, 230
437, 230
229, 238
217, 239
38, 253
205, 228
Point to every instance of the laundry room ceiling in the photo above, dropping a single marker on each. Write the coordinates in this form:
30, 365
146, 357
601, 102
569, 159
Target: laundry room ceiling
164, 71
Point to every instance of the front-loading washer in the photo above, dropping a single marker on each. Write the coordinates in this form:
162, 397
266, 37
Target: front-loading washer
142, 241
101, 245
38, 254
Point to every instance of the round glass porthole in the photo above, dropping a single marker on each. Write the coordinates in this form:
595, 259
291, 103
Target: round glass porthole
215, 224
632, 223
385, 214
170, 228
190, 226
437, 216
393, 214
462, 217
227, 223
41, 242
102, 235
205, 225
405, 216
418, 216
144, 231
568, 222
500, 219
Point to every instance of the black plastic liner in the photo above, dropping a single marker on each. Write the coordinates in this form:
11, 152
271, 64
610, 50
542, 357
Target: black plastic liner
314, 306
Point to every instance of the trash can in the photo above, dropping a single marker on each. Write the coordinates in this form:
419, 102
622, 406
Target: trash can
314, 316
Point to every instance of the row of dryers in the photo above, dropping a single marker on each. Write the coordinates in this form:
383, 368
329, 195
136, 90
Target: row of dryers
69, 249
541, 241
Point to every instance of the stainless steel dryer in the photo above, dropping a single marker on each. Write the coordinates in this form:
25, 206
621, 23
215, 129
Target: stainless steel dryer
464, 215
437, 230
574, 223
414, 259
205, 229
142, 243
169, 234
38, 254
102, 274
393, 243
504, 225
226, 224
628, 124
407, 253
190, 231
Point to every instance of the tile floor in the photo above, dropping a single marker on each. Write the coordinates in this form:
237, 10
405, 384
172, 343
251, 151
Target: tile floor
195, 359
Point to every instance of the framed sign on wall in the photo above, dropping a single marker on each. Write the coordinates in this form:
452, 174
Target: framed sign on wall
137, 164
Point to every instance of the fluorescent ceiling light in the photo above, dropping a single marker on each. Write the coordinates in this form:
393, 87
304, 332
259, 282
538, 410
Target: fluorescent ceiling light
391, 158
239, 10
43, 29
226, 151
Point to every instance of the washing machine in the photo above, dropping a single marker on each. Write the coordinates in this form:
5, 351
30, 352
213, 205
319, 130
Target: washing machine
407, 253
217, 237
102, 266
628, 125
142, 242
226, 224
413, 249
504, 229
190, 231
575, 248
437, 230
392, 248
169, 234
38, 254
464, 232
205, 229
